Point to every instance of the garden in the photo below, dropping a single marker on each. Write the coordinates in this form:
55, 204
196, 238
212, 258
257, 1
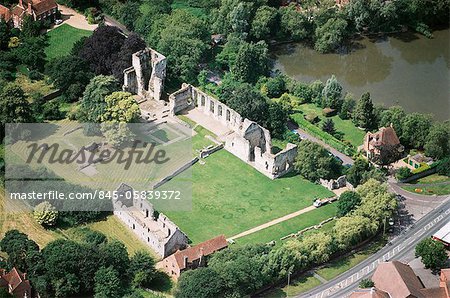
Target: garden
62, 39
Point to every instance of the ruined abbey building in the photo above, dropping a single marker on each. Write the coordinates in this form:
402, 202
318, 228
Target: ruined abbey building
245, 139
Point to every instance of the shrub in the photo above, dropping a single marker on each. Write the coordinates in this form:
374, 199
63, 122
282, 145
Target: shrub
311, 118
45, 214
366, 283
403, 173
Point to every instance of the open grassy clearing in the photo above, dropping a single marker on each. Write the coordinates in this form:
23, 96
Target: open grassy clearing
184, 5
351, 133
290, 226
230, 197
199, 140
435, 178
113, 228
24, 222
299, 285
62, 39
437, 189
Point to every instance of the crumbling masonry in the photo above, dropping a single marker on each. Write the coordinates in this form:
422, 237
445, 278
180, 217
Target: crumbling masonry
247, 140
146, 75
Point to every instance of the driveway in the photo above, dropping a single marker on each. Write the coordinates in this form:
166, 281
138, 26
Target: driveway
346, 160
74, 19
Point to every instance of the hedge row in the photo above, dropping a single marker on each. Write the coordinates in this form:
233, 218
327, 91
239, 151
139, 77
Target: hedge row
322, 135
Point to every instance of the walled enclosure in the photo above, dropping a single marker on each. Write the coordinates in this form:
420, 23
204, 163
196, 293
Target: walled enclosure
248, 140
146, 75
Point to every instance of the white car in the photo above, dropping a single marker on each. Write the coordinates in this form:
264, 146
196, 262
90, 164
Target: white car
57, 22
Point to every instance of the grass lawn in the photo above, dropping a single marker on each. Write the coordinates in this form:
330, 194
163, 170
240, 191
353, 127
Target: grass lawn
435, 178
113, 228
199, 140
338, 267
184, 5
290, 226
62, 39
230, 197
437, 189
299, 285
351, 133
24, 222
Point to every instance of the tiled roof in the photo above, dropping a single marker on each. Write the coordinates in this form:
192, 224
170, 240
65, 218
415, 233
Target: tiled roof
15, 278
385, 136
203, 249
5, 13
43, 6
397, 279
434, 293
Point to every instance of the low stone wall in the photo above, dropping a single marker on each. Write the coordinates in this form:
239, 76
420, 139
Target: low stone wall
176, 172
315, 227
207, 152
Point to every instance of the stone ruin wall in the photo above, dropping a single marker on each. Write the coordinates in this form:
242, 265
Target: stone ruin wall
250, 141
146, 75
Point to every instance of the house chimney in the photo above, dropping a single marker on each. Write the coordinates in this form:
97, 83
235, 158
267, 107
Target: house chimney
185, 261
29, 7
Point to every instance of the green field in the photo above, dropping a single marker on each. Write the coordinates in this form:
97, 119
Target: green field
62, 39
435, 178
184, 5
230, 197
290, 226
350, 132
432, 189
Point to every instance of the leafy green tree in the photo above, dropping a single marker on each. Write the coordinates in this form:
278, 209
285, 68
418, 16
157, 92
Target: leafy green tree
328, 126
241, 268
14, 107
316, 90
114, 254
314, 162
18, 247
30, 28
402, 173
347, 202
437, 144
8, 62
303, 92
264, 22
276, 120
416, 129
70, 74
394, 115
154, 10
107, 283
183, 40
364, 116
201, 283
366, 283
350, 230
294, 24
330, 35
93, 103
286, 259
276, 86
318, 247
248, 102
94, 237
120, 108
4, 35
433, 253
252, 61
142, 269
45, 214
332, 93
227, 56
348, 105
240, 17
31, 52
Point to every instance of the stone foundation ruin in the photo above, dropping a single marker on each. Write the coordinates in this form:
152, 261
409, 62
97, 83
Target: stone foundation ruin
247, 140
146, 75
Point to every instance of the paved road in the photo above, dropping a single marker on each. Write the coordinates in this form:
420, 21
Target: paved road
110, 21
304, 135
347, 282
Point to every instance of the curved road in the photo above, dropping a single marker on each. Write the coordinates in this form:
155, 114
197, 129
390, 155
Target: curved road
347, 282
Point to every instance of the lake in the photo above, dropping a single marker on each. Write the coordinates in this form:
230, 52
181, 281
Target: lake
409, 70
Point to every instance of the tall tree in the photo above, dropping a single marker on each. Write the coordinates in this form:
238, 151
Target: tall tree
332, 93
121, 107
328, 126
107, 283
201, 283
416, 128
433, 253
364, 116
100, 48
252, 61
264, 22
347, 202
438, 141
330, 35
394, 115
348, 105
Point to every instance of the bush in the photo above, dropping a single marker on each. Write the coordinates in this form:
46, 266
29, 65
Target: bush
311, 118
432, 252
366, 283
45, 214
275, 86
403, 173
35, 75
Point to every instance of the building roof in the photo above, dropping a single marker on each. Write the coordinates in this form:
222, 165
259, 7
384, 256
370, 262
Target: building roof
369, 293
41, 6
203, 249
443, 235
434, 293
5, 13
15, 279
385, 136
419, 158
398, 280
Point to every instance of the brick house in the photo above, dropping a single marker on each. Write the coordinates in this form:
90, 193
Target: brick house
16, 282
192, 257
379, 143
39, 10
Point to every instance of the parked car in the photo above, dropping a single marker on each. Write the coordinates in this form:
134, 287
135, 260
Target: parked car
58, 21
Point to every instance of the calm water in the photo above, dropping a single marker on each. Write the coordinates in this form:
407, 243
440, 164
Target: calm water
409, 70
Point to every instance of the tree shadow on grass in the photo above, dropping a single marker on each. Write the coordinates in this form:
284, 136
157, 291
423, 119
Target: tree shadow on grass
161, 282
